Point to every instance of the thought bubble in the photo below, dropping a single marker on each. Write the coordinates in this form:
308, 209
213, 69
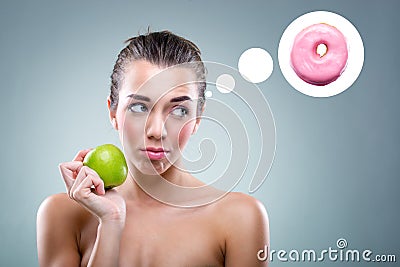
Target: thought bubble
355, 59
255, 65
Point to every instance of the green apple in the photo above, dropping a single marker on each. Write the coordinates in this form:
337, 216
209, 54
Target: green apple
109, 163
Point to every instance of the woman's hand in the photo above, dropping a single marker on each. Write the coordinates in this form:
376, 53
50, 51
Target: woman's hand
86, 187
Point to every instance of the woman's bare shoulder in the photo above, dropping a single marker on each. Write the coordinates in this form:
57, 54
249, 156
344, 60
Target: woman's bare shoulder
61, 208
241, 210
59, 223
245, 229
240, 202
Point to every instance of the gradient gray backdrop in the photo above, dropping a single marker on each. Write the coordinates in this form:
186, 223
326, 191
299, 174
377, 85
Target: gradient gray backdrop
335, 174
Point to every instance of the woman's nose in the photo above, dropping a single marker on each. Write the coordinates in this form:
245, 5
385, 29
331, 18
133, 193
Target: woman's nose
155, 126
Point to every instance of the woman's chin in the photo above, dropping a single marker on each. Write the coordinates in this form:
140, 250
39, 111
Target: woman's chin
153, 168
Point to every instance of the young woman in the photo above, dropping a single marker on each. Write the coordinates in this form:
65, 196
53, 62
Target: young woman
125, 226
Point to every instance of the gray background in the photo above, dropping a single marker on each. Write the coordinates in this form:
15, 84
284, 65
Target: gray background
335, 174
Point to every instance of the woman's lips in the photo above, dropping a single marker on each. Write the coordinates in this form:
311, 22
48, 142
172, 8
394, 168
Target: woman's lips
155, 153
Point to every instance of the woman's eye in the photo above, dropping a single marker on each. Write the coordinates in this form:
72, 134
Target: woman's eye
137, 107
180, 111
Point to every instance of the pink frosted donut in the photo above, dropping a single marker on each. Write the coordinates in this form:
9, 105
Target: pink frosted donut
319, 68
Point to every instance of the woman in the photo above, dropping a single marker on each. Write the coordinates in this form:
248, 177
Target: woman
125, 226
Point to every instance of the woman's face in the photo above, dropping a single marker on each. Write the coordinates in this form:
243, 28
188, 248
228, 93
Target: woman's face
156, 115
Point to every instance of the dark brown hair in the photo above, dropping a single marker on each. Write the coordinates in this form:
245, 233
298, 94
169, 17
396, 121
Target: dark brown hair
163, 49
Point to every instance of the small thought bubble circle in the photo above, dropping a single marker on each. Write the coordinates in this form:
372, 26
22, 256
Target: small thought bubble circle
255, 65
225, 83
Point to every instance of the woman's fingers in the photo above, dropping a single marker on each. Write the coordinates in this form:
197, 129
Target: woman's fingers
95, 180
88, 190
85, 180
69, 171
81, 155
83, 190
86, 187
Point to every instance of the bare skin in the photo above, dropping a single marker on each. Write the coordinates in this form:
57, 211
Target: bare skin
89, 226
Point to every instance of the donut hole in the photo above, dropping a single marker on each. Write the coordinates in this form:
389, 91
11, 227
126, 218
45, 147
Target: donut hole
322, 49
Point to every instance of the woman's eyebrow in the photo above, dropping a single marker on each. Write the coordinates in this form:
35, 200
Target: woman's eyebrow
139, 97
147, 99
180, 99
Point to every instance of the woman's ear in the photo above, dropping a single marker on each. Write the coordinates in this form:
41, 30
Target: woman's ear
112, 113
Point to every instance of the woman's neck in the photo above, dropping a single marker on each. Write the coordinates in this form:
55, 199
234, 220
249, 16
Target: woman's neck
148, 188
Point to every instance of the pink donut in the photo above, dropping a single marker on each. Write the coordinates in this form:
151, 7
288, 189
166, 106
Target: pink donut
319, 68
